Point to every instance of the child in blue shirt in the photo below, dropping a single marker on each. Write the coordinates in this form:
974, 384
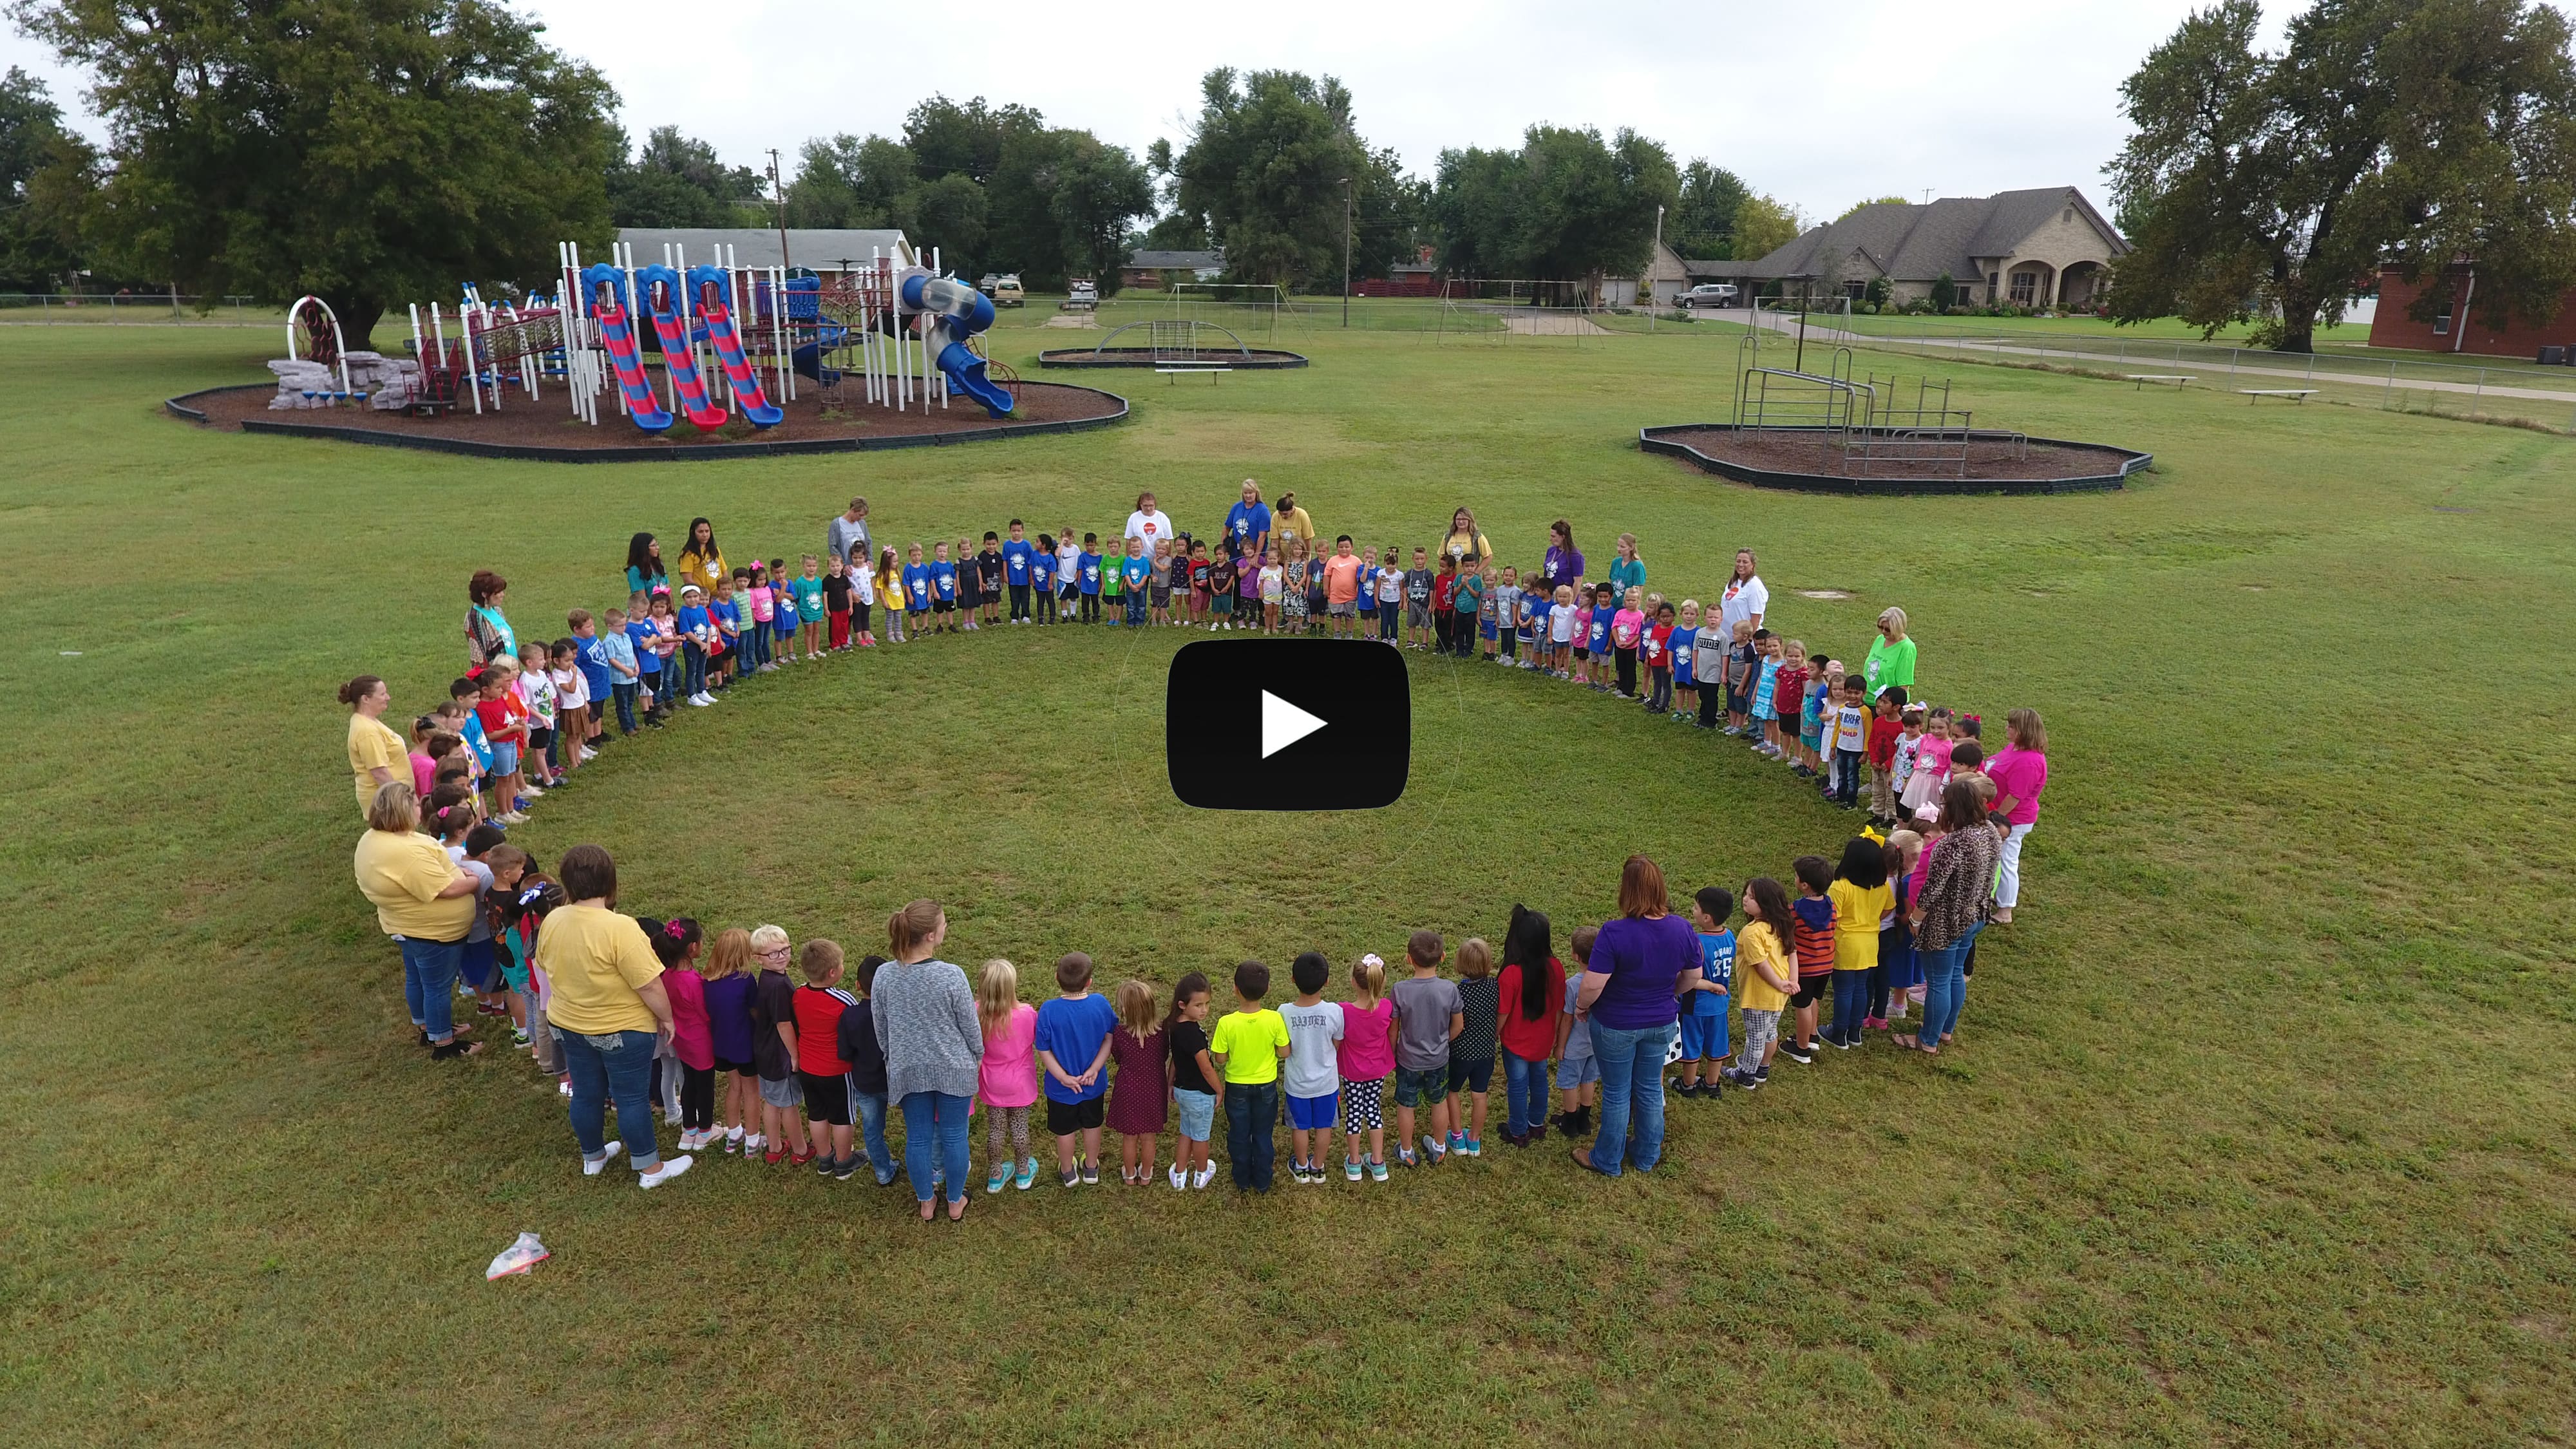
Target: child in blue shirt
1765, 720
1018, 571
1073, 1050
726, 612
916, 591
697, 630
1684, 648
1134, 571
618, 646
590, 654
1704, 1014
1596, 637
943, 591
785, 611
1534, 611
1089, 577
1042, 577
648, 666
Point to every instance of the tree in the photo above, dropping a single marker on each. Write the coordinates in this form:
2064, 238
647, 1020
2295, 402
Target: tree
1703, 222
678, 180
45, 181
1566, 205
2271, 185
362, 151
1874, 201
949, 139
1763, 226
1474, 201
1945, 292
1264, 171
847, 182
949, 214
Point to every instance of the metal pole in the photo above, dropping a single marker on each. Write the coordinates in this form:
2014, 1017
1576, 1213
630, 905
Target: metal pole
1651, 258
1346, 252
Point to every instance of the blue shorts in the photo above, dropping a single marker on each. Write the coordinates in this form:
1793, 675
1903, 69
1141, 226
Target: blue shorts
505, 758
1573, 1072
1486, 629
1473, 1074
481, 965
1308, 1113
1426, 1088
1198, 1113
1703, 1037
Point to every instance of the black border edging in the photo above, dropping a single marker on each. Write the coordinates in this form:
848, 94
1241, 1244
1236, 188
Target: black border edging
1651, 440
706, 452
1263, 359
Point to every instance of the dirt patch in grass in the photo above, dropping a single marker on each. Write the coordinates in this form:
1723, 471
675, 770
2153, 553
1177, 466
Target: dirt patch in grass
1987, 459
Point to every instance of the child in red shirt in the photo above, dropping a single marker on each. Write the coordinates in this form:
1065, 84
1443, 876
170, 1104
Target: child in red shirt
1444, 605
505, 729
1884, 731
826, 1077
1815, 945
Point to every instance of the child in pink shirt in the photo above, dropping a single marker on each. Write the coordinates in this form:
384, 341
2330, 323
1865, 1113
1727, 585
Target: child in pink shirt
1367, 1053
1007, 1082
676, 944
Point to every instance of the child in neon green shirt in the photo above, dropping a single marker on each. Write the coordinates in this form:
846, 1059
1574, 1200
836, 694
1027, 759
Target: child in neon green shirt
1247, 1047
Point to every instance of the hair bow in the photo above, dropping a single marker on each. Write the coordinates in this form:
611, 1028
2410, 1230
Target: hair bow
674, 930
532, 894
1870, 833
1372, 959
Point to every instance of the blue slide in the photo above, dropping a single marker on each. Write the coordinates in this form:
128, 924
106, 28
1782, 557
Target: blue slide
957, 312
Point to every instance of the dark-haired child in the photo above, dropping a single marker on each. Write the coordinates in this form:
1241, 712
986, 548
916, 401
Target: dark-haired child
1248, 1046
836, 604
990, 567
1578, 1071
1444, 605
1194, 1087
1042, 568
1073, 1052
1814, 909
1847, 727
1861, 900
1088, 578
1655, 646
677, 945
1313, 1075
1703, 1026
1768, 979
858, 1047
1471, 1055
1221, 582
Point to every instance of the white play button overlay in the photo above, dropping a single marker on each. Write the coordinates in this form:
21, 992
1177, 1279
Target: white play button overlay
1283, 724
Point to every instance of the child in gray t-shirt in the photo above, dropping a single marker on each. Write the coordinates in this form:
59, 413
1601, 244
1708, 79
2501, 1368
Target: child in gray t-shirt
1428, 1015
1578, 1074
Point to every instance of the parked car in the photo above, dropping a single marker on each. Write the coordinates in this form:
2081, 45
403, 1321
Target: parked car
1082, 295
1006, 292
1707, 294
988, 282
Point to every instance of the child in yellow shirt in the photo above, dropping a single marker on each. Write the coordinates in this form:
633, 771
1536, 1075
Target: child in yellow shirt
1861, 897
1247, 1047
1766, 976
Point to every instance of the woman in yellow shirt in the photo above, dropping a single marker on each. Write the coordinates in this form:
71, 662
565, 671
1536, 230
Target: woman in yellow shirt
1862, 902
702, 563
426, 904
1766, 976
608, 1012
377, 755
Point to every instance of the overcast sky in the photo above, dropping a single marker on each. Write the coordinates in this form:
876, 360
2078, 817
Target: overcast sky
1819, 107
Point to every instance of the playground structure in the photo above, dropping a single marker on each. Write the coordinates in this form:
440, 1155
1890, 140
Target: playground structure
1865, 422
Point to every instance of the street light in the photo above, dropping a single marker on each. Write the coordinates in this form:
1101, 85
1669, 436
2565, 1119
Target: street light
1346, 253
1651, 258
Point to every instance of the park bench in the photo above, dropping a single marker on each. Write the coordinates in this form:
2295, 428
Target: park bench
2253, 395
1174, 369
2178, 379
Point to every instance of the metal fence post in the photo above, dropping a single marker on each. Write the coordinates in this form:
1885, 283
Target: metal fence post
2476, 397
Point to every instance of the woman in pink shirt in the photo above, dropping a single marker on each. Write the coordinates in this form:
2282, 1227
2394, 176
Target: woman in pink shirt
1007, 1082
2019, 773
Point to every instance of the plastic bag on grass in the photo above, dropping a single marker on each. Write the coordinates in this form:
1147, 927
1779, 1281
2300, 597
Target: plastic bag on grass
519, 1257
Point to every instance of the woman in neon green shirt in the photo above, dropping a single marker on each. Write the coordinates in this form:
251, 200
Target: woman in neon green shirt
1891, 656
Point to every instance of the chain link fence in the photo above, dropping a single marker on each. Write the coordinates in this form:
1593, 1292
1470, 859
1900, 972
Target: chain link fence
151, 309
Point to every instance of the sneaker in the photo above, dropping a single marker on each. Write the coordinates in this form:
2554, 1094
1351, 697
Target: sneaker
1802, 1055
733, 1144
1090, 1173
1000, 1179
753, 1142
671, 1167
1201, 1178
1403, 1158
1473, 1147
519, 1038
1180, 1179
1457, 1141
689, 1139
1377, 1170
1845, 1042
1027, 1175
848, 1168
1351, 1169
1742, 1080
1297, 1172
823, 1164
1681, 1089
1762, 1073
591, 1166
1434, 1150
1071, 1177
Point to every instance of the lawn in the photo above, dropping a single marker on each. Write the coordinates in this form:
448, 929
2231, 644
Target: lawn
2257, 1133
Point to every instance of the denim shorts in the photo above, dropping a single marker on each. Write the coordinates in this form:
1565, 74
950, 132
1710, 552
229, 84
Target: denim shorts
1473, 1074
1198, 1113
1573, 1072
1307, 1113
1426, 1088
505, 758
480, 964
782, 1092
1702, 1036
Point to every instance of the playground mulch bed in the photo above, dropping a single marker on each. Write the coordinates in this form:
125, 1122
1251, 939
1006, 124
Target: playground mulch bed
1988, 461
545, 426
1258, 359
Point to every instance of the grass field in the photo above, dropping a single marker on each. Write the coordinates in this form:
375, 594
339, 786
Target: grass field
2258, 1132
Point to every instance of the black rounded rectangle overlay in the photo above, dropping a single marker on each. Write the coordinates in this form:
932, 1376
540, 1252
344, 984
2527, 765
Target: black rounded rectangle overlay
1288, 724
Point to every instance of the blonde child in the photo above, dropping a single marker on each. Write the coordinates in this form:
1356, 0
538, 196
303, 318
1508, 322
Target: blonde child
1274, 590
536, 686
773, 1044
1788, 698
1007, 1082
729, 991
1900, 974
1140, 1095
1578, 1071
1367, 1056
890, 590
1561, 626
1740, 662
1683, 646
1931, 762
1194, 1081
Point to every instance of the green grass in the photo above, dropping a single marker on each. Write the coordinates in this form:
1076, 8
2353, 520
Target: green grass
2257, 1133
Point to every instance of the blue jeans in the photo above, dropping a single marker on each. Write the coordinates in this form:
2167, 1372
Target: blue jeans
1136, 608
1524, 1093
872, 1110
1251, 1138
625, 696
1632, 1086
693, 670
429, 985
1945, 990
618, 1066
935, 1114
1851, 1005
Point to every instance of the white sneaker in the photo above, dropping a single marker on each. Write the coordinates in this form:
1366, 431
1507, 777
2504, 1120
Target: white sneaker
1180, 1179
591, 1167
699, 701
671, 1167
1205, 1175
588, 753
752, 1142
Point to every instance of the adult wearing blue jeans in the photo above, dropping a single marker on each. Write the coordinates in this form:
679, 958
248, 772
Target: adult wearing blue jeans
608, 1014
1630, 997
425, 904
1958, 885
924, 1015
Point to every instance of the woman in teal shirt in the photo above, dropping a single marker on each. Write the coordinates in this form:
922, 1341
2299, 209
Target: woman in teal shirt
644, 571
1627, 571
1891, 657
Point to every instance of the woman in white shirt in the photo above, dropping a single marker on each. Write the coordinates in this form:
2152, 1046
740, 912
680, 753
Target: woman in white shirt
1149, 523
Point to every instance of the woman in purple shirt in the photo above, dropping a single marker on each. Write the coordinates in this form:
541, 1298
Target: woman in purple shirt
1564, 561
1628, 995
2019, 773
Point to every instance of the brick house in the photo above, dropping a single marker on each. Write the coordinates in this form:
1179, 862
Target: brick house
1158, 270
2456, 325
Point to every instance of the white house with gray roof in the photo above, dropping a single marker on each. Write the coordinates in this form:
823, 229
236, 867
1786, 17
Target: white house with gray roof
2047, 247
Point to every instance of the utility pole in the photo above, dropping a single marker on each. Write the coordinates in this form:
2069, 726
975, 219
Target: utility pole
778, 191
1652, 258
1346, 252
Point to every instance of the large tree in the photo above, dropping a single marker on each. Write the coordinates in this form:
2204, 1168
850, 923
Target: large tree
1702, 224
45, 181
678, 180
2270, 185
1763, 226
364, 150
1062, 203
847, 182
1264, 172
948, 138
1566, 205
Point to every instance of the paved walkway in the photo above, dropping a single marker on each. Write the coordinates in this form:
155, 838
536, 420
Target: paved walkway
2263, 376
